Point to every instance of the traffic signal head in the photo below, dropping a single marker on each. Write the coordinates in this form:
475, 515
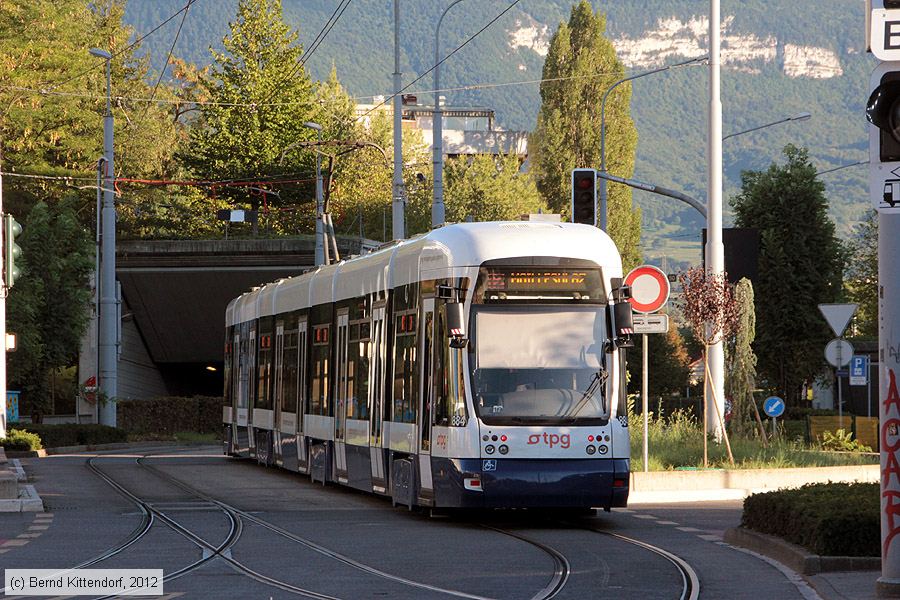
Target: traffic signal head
584, 196
12, 253
883, 111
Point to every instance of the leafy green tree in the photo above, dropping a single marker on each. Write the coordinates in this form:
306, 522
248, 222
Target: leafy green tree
800, 265
49, 306
261, 95
580, 66
861, 277
668, 365
740, 371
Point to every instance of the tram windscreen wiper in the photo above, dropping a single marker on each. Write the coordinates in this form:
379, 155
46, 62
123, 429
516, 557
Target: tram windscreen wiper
597, 380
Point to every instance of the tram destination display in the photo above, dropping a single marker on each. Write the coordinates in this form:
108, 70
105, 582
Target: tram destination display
538, 281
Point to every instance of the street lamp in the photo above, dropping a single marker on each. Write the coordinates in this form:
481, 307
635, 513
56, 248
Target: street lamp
320, 229
803, 116
437, 133
108, 327
603, 192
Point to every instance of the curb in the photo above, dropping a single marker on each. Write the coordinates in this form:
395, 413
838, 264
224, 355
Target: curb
795, 557
28, 501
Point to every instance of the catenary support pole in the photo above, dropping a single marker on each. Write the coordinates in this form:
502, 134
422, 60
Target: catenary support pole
2, 319
398, 225
644, 402
889, 399
108, 310
715, 251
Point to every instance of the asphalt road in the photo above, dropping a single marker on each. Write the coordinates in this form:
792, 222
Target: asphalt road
284, 537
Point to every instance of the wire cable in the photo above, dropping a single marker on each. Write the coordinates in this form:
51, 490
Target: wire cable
171, 50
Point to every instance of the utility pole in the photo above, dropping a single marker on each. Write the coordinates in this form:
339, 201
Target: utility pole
398, 227
715, 251
108, 368
3, 290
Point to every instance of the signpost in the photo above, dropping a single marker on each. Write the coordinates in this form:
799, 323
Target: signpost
838, 352
649, 293
859, 370
773, 406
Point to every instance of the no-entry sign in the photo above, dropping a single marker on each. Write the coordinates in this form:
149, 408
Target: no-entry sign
649, 289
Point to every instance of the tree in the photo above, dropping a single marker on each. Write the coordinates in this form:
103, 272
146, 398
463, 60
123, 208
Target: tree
861, 277
740, 371
581, 65
800, 266
49, 306
261, 96
668, 365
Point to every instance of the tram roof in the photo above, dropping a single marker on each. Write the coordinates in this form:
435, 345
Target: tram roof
434, 254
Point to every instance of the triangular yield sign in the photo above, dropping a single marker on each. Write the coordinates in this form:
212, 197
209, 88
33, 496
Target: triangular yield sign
838, 316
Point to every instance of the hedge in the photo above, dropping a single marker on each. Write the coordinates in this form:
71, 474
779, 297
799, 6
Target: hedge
74, 434
829, 519
168, 415
17, 439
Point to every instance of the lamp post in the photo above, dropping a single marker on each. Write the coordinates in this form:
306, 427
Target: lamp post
437, 133
320, 228
108, 329
603, 193
803, 116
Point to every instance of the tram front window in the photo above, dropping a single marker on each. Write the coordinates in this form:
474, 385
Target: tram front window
539, 364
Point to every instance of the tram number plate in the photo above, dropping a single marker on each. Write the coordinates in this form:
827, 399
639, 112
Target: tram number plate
489, 465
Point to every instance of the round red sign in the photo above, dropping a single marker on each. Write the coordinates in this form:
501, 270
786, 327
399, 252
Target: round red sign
649, 289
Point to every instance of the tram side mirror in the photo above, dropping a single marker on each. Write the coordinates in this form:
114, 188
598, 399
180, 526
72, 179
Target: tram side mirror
456, 325
623, 323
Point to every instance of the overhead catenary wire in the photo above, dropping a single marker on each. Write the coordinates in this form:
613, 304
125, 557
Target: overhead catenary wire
171, 50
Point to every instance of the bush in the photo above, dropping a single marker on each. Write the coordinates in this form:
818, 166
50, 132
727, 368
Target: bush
830, 519
842, 441
168, 415
19, 439
75, 434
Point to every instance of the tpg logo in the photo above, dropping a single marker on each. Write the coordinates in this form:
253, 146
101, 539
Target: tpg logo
550, 439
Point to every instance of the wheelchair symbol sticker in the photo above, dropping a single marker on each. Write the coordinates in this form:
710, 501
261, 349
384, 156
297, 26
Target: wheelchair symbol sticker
489, 465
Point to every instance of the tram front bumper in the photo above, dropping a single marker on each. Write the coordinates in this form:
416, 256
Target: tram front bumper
533, 483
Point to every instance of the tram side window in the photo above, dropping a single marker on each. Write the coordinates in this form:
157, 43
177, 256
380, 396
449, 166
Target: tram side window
227, 392
302, 368
318, 401
358, 371
289, 372
405, 377
264, 366
449, 404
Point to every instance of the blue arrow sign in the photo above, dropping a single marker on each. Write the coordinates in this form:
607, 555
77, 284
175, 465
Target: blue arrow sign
773, 407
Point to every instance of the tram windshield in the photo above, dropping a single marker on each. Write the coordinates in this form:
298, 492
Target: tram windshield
539, 364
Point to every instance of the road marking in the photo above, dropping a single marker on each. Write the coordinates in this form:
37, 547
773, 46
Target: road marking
666, 523
39, 528
29, 535
689, 529
710, 537
644, 517
15, 542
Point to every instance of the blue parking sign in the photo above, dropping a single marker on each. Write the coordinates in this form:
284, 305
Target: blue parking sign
859, 370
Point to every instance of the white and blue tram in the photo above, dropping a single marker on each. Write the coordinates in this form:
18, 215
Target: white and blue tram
478, 365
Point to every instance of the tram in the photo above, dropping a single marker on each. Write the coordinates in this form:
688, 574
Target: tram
480, 365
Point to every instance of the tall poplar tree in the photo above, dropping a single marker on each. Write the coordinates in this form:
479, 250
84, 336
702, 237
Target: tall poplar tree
580, 67
800, 265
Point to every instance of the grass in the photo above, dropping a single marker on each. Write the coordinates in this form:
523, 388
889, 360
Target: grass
676, 440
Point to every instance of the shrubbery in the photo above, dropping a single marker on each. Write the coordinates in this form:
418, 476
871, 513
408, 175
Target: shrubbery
18, 439
830, 519
75, 434
168, 415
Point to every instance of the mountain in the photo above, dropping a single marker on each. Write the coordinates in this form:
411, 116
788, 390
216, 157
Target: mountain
779, 58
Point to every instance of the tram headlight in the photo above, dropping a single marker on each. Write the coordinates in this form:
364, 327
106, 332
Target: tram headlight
489, 449
504, 449
590, 450
603, 448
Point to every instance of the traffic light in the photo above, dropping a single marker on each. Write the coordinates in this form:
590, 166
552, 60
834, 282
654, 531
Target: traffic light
11, 250
584, 196
883, 111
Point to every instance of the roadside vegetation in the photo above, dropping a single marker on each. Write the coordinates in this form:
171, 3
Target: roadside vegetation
830, 519
676, 441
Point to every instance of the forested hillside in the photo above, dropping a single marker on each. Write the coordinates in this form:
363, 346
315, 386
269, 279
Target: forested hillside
779, 59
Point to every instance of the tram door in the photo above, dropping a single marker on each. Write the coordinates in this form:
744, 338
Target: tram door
426, 398
376, 390
340, 403
302, 463
238, 387
250, 387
